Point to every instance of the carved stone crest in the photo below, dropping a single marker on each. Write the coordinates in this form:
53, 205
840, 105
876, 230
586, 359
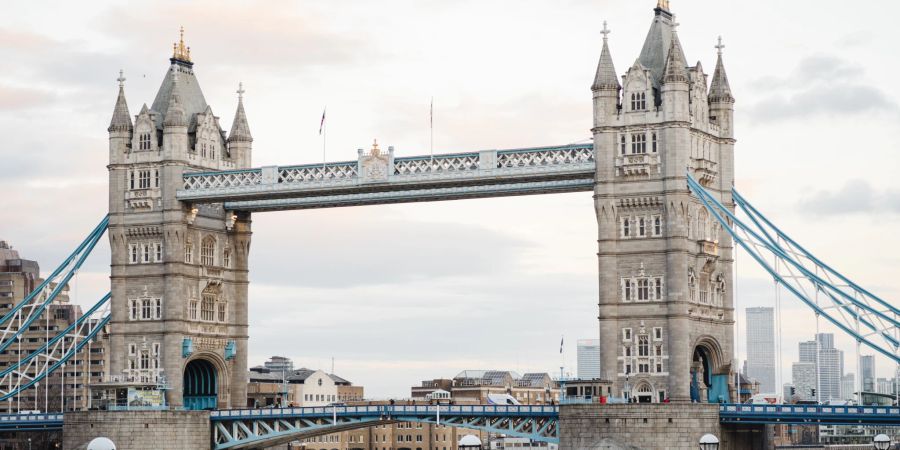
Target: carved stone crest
374, 166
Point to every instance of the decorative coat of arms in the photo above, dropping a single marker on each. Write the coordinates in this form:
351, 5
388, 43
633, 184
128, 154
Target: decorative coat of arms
374, 166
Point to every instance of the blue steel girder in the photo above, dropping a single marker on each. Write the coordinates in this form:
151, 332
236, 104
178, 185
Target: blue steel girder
31, 422
810, 414
259, 428
382, 179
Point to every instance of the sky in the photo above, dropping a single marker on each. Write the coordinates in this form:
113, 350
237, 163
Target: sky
403, 293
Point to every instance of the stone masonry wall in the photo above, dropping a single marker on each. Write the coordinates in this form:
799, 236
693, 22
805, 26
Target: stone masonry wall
669, 426
138, 430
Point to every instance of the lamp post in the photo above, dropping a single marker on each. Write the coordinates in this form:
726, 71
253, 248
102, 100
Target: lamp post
709, 442
881, 442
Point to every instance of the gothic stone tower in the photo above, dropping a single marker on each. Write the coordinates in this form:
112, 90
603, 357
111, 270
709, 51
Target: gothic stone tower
666, 304
179, 271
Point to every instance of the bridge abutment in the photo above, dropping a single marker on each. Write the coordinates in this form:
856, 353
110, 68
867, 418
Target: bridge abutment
138, 430
671, 426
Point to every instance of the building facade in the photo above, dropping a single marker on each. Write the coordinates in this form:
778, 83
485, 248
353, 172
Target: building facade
301, 387
867, 372
178, 271
803, 375
396, 436
588, 359
761, 347
66, 389
665, 266
484, 387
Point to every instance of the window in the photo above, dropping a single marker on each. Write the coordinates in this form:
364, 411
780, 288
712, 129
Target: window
638, 143
638, 101
627, 290
658, 349
145, 360
657, 334
145, 253
156, 178
626, 334
221, 311
657, 284
624, 145
643, 345
132, 349
207, 307
188, 251
643, 290
146, 309
134, 254
158, 252
157, 313
144, 141
626, 227
642, 227
144, 179
657, 226
131, 180
226, 258
643, 367
208, 251
653, 147
133, 313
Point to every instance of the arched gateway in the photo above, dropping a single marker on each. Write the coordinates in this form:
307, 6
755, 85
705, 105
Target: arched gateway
182, 191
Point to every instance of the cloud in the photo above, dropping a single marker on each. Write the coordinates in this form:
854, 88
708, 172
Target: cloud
856, 197
819, 85
19, 98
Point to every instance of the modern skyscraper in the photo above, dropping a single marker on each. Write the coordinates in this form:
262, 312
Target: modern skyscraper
808, 351
803, 375
831, 367
589, 359
867, 372
848, 386
761, 347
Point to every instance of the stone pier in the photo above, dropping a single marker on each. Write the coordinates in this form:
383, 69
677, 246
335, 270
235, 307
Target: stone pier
138, 430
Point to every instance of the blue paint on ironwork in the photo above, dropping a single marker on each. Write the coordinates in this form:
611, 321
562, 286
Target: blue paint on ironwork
201, 386
187, 347
230, 350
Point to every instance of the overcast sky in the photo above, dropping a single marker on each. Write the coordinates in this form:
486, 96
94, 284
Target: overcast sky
398, 294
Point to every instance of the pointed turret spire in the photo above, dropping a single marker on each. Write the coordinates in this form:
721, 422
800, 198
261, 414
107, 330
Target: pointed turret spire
720, 90
175, 115
240, 130
121, 119
606, 77
676, 64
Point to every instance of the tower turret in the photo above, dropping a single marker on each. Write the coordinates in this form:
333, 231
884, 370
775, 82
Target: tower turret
606, 85
676, 86
240, 142
120, 127
175, 124
721, 102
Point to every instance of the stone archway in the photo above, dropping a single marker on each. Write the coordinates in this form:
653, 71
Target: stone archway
643, 392
200, 385
709, 377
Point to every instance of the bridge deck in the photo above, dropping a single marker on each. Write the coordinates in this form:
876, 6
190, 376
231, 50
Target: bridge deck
377, 178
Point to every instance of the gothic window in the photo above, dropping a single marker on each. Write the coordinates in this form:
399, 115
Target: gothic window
221, 311
145, 253
144, 141
226, 257
146, 309
643, 345
144, 179
692, 284
626, 226
654, 147
134, 254
132, 349
627, 288
203, 149
208, 251
657, 287
156, 178
659, 366
157, 312
130, 180
643, 289
642, 227
638, 101
627, 350
638, 143
192, 309
133, 313
158, 252
208, 307
188, 251
145, 360
657, 226
719, 290
626, 334
623, 144
657, 336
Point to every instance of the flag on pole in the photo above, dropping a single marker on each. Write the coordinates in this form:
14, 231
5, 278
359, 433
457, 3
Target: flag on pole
561, 342
322, 123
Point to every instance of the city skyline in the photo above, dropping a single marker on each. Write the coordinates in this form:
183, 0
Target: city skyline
309, 280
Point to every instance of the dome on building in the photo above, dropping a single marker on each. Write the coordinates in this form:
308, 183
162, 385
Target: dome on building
469, 441
101, 443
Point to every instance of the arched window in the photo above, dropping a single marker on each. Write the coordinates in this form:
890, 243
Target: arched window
208, 251
188, 251
226, 257
692, 284
208, 305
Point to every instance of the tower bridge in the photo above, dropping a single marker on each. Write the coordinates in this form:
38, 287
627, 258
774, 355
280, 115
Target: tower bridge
660, 166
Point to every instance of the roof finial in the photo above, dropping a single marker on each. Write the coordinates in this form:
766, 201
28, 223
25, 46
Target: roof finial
179, 50
121, 78
605, 32
375, 150
240, 91
663, 4
720, 46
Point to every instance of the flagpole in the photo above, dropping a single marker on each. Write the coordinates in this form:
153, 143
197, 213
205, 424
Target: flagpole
431, 130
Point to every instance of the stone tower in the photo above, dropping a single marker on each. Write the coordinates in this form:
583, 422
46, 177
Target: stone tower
179, 271
665, 307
